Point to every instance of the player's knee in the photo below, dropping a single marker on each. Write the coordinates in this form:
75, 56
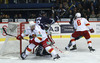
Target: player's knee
31, 46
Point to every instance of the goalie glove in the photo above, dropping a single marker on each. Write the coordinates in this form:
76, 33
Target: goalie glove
19, 37
92, 30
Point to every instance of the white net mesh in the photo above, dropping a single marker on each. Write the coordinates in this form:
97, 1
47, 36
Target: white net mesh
11, 46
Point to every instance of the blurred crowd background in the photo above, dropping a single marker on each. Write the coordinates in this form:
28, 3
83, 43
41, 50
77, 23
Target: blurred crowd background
30, 9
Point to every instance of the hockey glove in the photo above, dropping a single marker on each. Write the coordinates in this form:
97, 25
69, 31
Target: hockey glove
19, 37
92, 30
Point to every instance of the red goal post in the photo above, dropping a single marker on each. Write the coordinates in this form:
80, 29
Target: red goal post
22, 28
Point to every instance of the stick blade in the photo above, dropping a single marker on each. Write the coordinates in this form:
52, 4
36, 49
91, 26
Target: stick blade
4, 31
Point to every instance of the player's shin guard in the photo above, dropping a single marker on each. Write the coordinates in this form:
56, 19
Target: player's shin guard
27, 51
52, 52
29, 48
73, 42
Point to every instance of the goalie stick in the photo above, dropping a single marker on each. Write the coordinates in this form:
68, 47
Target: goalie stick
10, 34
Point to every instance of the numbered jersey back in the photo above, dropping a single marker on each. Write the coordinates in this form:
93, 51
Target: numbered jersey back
80, 24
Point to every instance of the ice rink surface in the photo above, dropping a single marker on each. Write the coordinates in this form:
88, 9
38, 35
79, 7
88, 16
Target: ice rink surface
82, 55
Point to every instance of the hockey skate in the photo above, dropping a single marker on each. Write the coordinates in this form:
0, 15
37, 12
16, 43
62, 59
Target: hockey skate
23, 55
74, 48
91, 49
67, 48
56, 57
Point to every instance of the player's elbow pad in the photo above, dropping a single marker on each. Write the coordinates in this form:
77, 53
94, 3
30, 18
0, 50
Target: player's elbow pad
89, 27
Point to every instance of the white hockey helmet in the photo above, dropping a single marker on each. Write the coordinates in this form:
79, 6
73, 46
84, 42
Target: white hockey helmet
31, 23
78, 15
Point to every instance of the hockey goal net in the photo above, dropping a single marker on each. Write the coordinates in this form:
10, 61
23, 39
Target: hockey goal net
11, 46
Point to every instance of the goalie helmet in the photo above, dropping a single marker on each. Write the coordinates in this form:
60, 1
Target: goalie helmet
31, 23
78, 15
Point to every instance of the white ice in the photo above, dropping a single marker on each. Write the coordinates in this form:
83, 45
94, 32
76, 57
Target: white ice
82, 55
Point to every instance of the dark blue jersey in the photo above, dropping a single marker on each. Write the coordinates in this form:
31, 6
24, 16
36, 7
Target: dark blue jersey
44, 20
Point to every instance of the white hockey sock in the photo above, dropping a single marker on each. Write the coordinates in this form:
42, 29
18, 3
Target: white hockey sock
73, 42
29, 48
89, 42
51, 51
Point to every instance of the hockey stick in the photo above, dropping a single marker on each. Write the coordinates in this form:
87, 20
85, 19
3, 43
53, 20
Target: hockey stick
58, 49
63, 53
7, 33
11, 35
54, 45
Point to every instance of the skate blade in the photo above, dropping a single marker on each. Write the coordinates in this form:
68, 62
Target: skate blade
74, 50
92, 51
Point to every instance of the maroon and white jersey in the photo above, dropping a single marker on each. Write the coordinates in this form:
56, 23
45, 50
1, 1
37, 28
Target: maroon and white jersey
81, 24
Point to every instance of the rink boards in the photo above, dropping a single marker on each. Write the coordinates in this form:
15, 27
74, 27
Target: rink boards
58, 30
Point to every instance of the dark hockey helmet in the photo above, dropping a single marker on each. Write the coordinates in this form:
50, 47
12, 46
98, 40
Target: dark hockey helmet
47, 26
44, 26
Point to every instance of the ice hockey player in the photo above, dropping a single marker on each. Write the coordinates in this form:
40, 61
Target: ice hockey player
70, 44
40, 51
81, 25
45, 23
43, 20
41, 38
